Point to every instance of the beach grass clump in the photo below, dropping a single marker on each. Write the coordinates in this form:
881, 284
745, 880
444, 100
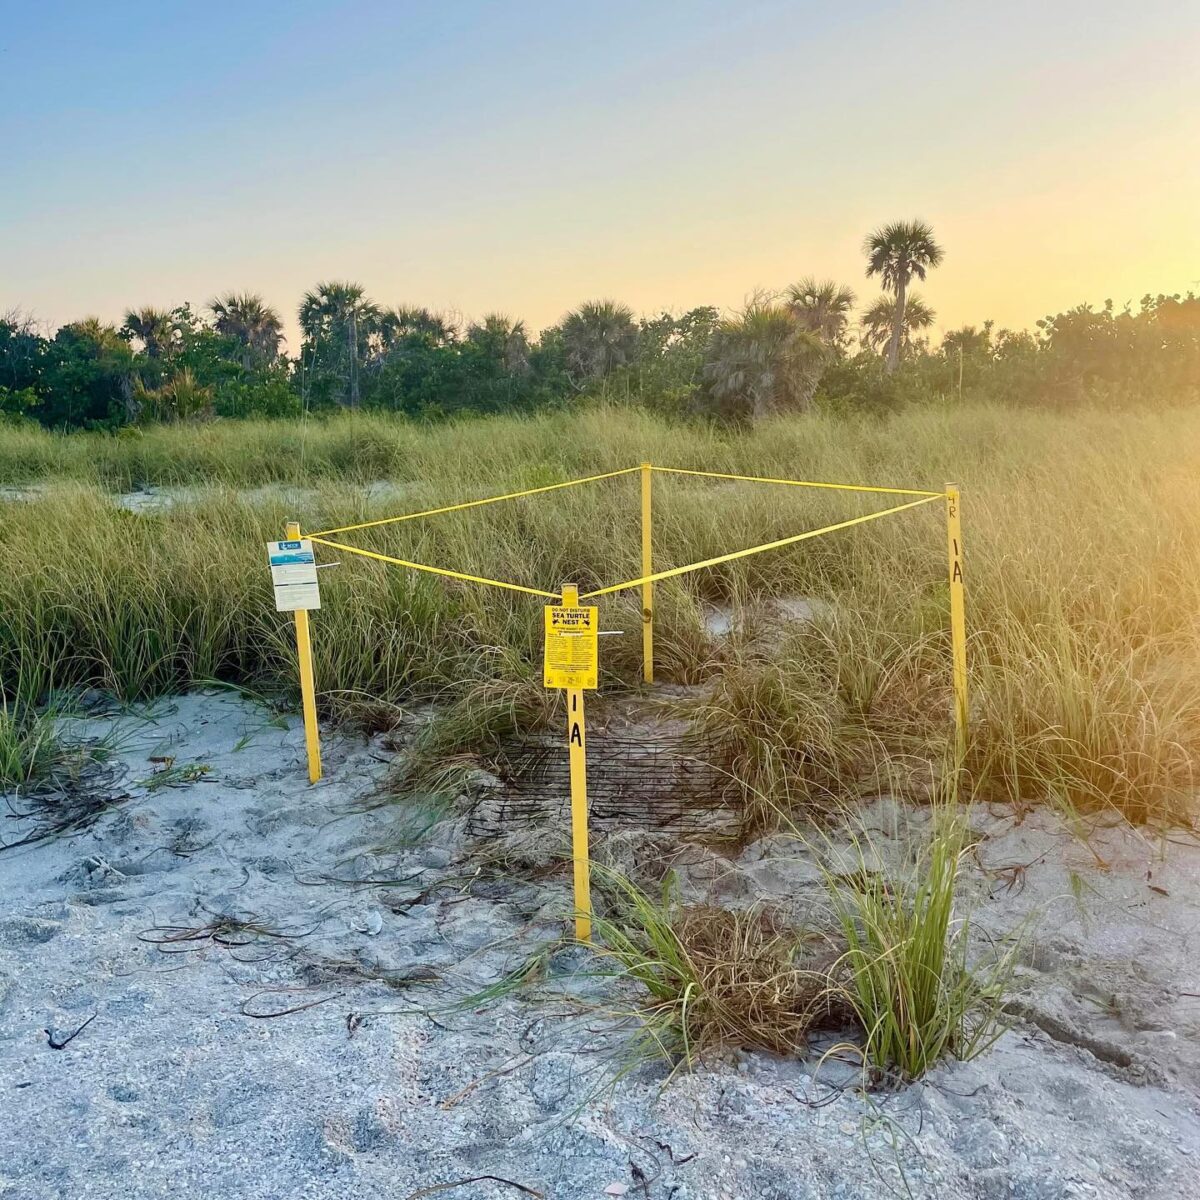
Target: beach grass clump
899, 962
780, 733
1089, 726
30, 745
710, 980
912, 984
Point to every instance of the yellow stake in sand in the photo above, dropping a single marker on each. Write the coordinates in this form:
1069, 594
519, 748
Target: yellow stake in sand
958, 618
648, 586
308, 688
571, 660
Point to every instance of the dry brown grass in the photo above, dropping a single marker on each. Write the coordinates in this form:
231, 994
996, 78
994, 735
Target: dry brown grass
716, 980
760, 984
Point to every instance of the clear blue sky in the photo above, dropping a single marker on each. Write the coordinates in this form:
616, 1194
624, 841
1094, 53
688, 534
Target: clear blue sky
523, 157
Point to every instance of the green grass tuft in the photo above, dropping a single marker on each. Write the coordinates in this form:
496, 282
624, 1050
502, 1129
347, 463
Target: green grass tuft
29, 744
912, 987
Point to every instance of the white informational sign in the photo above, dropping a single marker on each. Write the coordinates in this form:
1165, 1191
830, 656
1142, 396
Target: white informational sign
294, 574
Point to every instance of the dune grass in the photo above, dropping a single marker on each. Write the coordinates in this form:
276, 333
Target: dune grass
245, 453
710, 979
898, 961
912, 986
1083, 557
29, 743
31, 746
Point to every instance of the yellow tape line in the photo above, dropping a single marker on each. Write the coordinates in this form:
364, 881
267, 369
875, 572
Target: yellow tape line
788, 541
433, 512
401, 562
839, 487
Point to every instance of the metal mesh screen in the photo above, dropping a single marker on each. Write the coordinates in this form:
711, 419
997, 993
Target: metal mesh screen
658, 781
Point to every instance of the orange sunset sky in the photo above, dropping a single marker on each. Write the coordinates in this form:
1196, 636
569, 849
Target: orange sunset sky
525, 157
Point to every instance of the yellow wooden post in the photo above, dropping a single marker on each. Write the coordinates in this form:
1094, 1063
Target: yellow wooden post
647, 588
577, 748
308, 689
958, 618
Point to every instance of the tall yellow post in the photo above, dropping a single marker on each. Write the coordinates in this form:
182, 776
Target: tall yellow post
958, 618
577, 748
647, 588
308, 688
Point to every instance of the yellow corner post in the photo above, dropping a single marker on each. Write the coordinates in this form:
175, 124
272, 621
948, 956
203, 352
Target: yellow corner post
577, 748
958, 618
648, 586
308, 689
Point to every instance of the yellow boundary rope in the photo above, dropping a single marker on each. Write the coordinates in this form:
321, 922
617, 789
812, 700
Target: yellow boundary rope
788, 541
320, 538
402, 562
433, 512
839, 487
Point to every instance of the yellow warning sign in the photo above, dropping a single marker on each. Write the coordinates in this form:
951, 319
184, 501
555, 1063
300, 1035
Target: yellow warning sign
572, 652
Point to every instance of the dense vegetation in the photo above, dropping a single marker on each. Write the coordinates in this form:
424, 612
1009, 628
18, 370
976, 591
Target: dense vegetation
785, 352
1083, 547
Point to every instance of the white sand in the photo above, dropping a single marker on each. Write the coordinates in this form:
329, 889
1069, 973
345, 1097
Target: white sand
172, 1091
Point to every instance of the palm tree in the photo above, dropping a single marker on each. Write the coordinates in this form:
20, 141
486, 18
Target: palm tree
598, 337
968, 340
821, 307
412, 321
154, 327
763, 361
92, 329
504, 338
337, 321
897, 253
249, 321
878, 324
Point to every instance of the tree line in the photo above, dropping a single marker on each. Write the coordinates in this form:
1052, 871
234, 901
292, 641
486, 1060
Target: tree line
783, 351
